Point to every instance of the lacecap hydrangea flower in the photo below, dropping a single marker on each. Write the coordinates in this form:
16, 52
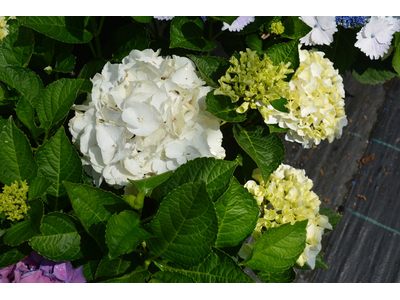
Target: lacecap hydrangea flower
287, 198
13, 200
322, 30
315, 102
351, 22
375, 37
251, 79
37, 269
145, 116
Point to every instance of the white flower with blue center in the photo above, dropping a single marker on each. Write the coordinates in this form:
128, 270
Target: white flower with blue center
374, 38
322, 31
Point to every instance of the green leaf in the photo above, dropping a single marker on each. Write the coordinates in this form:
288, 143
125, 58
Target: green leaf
12, 255
148, 184
218, 267
91, 68
26, 114
89, 269
137, 276
60, 239
286, 276
267, 150
275, 128
295, 28
368, 71
27, 229
171, 277
279, 104
16, 49
56, 101
285, 52
65, 63
334, 218
38, 187
222, 107
124, 233
213, 68
25, 81
237, 213
255, 43
278, 248
65, 29
94, 207
19, 233
58, 161
185, 225
108, 269
17, 163
396, 54
125, 39
216, 173
143, 19
188, 32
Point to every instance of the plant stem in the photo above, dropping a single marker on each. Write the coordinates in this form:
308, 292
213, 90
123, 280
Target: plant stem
91, 48
96, 34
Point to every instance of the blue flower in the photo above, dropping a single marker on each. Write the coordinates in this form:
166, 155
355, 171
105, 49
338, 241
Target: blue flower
351, 22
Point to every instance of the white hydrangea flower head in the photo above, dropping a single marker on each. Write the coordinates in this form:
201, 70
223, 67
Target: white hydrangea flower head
322, 31
238, 24
145, 116
315, 102
164, 18
375, 37
3, 28
288, 198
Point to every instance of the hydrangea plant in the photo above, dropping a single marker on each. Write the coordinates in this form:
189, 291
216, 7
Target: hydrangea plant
128, 144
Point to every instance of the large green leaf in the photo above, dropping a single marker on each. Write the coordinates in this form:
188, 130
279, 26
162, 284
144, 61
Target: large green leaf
65, 63
38, 187
295, 28
65, 29
368, 71
216, 173
213, 68
143, 19
218, 267
237, 213
56, 101
267, 150
16, 157
58, 161
125, 39
222, 107
16, 49
11, 255
124, 233
94, 207
188, 32
185, 225
24, 81
147, 184
137, 276
171, 277
60, 239
278, 248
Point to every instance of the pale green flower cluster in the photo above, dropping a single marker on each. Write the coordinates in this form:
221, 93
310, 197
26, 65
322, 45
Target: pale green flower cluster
277, 27
287, 198
315, 102
251, 79
13, 200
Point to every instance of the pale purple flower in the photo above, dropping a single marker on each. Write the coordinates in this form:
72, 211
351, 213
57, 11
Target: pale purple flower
374, 38
238, 24
322, 31
37, 269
